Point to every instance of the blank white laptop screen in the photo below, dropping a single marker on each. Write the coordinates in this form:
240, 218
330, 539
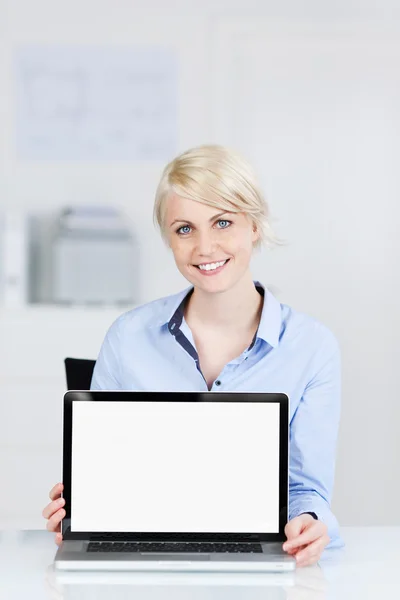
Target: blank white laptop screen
209, 467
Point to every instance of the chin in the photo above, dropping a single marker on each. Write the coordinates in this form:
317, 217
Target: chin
213, 285
216, 288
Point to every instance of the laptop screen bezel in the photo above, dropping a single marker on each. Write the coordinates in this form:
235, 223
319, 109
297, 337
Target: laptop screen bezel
139, 396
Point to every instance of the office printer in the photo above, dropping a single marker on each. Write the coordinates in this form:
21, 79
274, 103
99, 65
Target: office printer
94, 259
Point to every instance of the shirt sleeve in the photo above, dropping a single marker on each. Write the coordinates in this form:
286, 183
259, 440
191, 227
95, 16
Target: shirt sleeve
106, 371
313, 437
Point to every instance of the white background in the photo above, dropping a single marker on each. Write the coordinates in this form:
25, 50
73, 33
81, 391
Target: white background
310, 92
175, 467
78, 102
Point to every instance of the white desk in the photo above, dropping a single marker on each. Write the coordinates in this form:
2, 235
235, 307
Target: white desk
366, 569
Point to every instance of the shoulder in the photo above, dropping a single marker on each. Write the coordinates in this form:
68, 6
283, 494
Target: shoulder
150, 314
308, 332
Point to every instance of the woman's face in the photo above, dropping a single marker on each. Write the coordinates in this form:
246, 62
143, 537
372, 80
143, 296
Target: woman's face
212, 248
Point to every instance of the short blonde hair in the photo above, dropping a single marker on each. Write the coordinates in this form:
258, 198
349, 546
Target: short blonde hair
219, 177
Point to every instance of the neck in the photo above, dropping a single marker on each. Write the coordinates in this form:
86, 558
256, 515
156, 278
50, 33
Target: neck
240, 306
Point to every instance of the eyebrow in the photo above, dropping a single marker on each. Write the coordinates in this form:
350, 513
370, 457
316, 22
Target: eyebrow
225, 212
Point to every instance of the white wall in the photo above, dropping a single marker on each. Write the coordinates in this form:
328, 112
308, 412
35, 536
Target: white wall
316, 107
310, 93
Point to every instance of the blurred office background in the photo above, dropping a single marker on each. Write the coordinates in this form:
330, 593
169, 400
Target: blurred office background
96, 97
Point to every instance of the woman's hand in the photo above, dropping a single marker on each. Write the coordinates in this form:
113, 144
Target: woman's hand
306, 539
54, 512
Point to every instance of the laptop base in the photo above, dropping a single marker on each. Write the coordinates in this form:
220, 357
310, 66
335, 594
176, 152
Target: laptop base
72, 555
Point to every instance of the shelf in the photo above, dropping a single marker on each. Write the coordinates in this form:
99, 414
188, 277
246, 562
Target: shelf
55, 309
35, 340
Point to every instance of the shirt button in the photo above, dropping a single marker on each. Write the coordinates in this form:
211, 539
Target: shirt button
217, 382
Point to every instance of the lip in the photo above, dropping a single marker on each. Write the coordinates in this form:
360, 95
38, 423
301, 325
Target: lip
214, 271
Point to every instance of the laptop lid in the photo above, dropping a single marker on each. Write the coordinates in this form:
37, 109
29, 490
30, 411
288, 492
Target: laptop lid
175, 465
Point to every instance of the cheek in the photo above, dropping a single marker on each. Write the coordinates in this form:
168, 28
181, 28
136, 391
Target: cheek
240, 243
179, 249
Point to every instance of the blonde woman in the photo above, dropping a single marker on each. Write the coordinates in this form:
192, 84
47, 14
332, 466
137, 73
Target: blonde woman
227, 332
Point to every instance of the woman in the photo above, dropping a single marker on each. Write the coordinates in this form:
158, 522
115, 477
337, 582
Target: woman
226, 332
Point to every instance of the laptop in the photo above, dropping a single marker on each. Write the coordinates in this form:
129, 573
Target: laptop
175, 481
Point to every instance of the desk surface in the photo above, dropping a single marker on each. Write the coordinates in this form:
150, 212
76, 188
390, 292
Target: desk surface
365, 569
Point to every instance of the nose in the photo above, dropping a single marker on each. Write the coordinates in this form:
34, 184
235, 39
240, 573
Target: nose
205, 243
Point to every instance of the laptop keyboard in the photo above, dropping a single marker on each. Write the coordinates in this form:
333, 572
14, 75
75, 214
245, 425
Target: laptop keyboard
205, 547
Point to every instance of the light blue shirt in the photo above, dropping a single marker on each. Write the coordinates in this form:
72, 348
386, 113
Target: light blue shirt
152, 348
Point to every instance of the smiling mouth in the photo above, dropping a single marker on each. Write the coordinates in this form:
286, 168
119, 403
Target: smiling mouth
213, 266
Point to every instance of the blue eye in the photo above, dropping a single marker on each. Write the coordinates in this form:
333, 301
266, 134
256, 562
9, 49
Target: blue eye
184, 230
223, 223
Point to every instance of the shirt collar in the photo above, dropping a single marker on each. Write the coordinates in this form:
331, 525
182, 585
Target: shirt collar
172, 306
269, 328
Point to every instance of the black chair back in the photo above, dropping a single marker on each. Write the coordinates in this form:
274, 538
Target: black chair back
79, 373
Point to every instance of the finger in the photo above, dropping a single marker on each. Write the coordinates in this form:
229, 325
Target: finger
55, 492
312, 551
312, 560
294, 527
308, 563
292, 551
313, 532
51, 508
58, 538
53, 524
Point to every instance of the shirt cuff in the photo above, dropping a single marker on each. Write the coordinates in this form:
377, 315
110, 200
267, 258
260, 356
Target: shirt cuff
310, 513
300, 503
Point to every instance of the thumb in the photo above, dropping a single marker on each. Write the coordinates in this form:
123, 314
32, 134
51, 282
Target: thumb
294, 528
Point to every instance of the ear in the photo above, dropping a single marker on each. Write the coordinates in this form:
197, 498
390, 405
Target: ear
255, 234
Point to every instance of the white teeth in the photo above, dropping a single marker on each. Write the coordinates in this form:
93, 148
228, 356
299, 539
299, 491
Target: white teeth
212, 266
